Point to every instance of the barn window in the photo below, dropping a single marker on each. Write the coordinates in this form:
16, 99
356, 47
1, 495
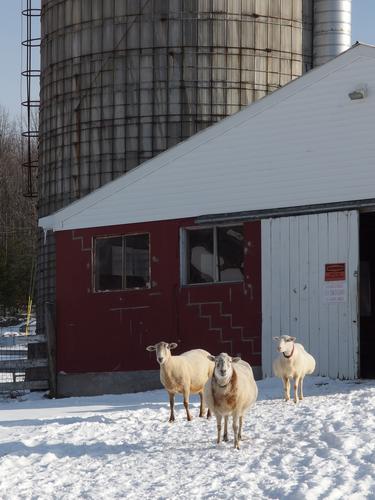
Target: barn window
214, 254
122, 262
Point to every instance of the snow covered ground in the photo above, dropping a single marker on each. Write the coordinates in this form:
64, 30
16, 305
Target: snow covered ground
18, 329
14, 352
123, 447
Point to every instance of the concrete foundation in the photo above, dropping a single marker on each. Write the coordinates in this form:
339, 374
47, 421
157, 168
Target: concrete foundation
95, 384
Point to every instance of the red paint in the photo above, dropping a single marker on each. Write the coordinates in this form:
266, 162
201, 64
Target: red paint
335, 272
109, 331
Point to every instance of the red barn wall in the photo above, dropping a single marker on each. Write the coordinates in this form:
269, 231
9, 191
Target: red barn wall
109, 331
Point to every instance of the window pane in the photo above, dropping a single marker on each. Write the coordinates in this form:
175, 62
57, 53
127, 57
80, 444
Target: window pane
200, 256
137, 261
108, 264
230, 253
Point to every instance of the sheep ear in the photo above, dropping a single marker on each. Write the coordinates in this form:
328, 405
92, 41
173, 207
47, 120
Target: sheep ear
173, 345
151, 348
293, 339
236, 360
276, 339
211, 358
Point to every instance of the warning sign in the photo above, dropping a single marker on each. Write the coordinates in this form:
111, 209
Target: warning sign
335, 286
335, 292
335, 272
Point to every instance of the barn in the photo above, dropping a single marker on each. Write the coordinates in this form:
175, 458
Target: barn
261, 225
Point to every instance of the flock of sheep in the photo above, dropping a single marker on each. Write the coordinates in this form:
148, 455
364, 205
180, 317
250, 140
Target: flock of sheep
226, 385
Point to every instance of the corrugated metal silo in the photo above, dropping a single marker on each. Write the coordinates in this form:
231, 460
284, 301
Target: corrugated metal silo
122, 80
332, 31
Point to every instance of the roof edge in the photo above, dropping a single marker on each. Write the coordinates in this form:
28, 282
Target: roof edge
55, 221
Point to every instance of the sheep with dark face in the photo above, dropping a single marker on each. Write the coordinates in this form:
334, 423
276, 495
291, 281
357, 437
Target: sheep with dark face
231, 391
292, 362
184, 374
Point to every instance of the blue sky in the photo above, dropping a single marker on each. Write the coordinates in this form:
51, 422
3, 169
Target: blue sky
363, 30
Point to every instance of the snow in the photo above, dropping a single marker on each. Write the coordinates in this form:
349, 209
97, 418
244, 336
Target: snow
19, 351
18, 329
122, 446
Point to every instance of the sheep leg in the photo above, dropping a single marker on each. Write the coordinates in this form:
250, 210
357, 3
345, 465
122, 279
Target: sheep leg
235, 432
286, 388
240, 429
225, 438
171, 405
186, 395
296, 383
301, 388
201, 409
208, 413
218, 425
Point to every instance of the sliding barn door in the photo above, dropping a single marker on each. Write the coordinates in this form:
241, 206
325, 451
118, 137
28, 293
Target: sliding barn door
310, 270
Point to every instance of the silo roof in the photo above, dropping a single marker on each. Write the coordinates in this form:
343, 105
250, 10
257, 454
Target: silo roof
307, 143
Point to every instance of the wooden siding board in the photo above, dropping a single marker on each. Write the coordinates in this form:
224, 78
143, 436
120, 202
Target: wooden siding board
21, 364
333, 309
16, 353
22, 386
275, 277
353, 316
303, 272
294, 278
343, 309
314, 296
22, 340
324, 326
285, 276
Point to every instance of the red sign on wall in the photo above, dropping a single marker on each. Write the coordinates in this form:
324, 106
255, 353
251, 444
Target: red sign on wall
335, 272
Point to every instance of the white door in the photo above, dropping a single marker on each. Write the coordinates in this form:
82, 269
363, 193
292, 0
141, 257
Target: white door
304, 295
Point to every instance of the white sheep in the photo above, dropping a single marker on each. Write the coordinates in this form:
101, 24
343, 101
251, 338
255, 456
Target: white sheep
230, 392
292, 362
184, 374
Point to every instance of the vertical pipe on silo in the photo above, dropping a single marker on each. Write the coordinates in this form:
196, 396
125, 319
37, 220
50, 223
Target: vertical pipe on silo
332, 29
307, 34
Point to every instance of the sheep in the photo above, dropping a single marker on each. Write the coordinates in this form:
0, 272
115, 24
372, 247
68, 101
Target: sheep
183, 374
231, 391
292, 362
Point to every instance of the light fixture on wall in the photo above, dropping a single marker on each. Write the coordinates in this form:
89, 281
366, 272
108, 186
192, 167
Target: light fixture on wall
358, 93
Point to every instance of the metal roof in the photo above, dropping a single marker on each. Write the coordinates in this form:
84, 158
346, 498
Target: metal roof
307, 143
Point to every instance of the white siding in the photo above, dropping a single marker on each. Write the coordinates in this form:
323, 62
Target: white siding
304, 144
294, 253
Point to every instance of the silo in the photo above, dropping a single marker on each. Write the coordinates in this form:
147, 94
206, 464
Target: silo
332, 30
122, 80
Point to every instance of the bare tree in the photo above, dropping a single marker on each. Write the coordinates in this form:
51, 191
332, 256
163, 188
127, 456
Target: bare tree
18, 219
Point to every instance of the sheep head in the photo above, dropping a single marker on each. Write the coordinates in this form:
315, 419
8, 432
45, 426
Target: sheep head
223, 367
284, 343
163, 351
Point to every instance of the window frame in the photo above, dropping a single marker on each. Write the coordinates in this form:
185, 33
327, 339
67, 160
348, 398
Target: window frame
184, 249
122, 236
